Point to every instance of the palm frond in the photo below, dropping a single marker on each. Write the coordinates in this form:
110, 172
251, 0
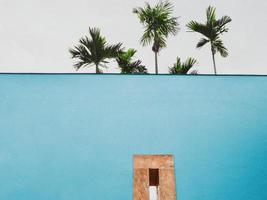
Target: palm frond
81, 54
111, 51
212, 30
223, 21
169, 26
147, 37
202, 42
165, 6
157, 22
127, 66
93, 50
219, 47
211, 14
189, 63
194, 26
182, 68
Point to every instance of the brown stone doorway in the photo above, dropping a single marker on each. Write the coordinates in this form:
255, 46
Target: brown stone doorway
154, 177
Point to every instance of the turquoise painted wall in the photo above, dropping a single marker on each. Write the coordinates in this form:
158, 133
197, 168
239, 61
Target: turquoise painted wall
72, 137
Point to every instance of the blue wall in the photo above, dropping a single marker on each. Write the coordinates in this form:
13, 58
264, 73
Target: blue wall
72, 137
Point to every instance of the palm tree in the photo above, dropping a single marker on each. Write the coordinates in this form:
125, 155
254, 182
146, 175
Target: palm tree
94, 51
212, 30
183, 68
158, 25
127, 66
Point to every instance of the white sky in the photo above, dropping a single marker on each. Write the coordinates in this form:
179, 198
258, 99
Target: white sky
36, 34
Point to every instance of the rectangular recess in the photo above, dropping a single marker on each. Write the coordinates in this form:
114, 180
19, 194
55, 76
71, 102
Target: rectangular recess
153, 177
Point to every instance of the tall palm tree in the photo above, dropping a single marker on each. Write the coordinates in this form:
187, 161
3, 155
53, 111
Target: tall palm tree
183, 68
127, 65
94, 51
158, 24
212, 30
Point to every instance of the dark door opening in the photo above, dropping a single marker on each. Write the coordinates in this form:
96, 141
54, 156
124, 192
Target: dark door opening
153, 184
153, 177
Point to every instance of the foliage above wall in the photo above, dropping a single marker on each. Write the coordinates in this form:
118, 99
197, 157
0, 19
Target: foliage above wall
159, 24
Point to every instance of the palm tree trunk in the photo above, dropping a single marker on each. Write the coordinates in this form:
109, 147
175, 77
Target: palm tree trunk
214, 64
155, 48
156, 62
96, 69
213, 59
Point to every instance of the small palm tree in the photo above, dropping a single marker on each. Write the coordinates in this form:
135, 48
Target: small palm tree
127, 66
212, 30
158, 25
94, 51
183, 68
